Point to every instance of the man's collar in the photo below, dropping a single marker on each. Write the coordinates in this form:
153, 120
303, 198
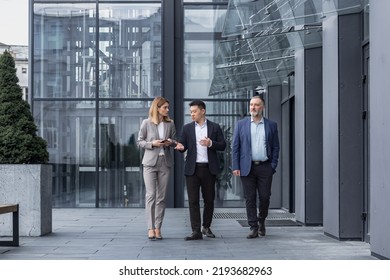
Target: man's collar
205, 122
261, 120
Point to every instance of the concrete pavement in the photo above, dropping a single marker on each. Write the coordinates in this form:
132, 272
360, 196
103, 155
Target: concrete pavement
121, 234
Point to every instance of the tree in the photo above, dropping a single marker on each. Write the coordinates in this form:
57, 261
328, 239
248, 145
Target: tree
19, 142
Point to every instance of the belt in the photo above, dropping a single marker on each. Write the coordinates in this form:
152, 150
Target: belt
202, 164
259, 162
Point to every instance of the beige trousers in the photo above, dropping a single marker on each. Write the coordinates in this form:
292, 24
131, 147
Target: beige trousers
156, 183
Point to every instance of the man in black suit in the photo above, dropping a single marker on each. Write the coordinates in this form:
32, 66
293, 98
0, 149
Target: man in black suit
201, 139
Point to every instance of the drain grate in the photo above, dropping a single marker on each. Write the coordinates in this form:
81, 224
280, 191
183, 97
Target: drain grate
273, 223
233, 216
272, 215
276, 218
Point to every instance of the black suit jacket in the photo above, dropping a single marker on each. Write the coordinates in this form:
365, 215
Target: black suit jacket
188, 139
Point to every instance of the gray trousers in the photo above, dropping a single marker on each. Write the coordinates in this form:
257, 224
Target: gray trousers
156, 182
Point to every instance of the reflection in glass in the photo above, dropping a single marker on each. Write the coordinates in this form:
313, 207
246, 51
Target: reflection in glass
64, 50
90, 91
69, 129
201, 25
129, 50
120, 176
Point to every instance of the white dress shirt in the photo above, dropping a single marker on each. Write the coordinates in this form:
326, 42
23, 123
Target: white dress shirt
201, 151
258, 141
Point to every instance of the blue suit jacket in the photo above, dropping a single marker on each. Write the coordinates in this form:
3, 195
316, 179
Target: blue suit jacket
241, 147
188, 139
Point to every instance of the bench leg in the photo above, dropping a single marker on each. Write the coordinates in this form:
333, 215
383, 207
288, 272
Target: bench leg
15, 226
15, 231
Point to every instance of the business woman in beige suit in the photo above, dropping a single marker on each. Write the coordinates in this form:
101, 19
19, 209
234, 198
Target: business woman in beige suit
156, 138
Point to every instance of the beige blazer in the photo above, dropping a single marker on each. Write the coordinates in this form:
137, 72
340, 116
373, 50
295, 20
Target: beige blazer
148, 133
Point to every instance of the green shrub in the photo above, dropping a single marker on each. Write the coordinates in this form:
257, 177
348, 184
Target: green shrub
19, 142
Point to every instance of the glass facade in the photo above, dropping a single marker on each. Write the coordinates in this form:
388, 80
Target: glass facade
96, 69
97, 66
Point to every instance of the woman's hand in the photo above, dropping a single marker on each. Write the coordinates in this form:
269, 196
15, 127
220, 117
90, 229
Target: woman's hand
158, 143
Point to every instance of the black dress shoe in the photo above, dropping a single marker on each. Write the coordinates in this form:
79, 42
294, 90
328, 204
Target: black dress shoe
207, 231
253, 234
194, 236
262, 228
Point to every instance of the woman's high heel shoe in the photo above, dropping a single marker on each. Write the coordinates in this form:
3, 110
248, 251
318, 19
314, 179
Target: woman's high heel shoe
157, 233
151, 235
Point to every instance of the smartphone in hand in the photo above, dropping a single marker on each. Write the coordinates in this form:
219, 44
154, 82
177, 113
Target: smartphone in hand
173, 143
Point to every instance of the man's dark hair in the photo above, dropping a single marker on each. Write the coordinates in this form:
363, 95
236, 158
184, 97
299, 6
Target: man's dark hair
198, 103
260, 97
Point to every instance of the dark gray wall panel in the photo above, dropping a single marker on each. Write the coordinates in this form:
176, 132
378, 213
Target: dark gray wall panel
273, 109
313, 137
350, 123
285, 160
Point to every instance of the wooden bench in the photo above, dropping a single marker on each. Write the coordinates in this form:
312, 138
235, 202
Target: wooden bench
14, 209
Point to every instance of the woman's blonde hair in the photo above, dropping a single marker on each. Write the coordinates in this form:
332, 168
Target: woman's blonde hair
153, 113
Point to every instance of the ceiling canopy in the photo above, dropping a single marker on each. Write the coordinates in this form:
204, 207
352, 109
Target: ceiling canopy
261, 37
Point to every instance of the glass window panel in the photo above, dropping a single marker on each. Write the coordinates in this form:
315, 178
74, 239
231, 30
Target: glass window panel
64, 50
202, 23
204, 18
120, 173
69, 129
129, 50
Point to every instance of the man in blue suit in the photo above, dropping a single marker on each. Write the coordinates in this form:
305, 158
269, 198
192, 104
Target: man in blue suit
255, 154
201, 139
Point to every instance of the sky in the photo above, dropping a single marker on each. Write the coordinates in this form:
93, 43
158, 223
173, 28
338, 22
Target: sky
14, 22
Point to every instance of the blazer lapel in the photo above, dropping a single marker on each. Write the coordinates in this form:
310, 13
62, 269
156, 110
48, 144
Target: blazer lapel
166, 127
267, 134
192, 133
266, 128
209, 129
248, 130
155, 128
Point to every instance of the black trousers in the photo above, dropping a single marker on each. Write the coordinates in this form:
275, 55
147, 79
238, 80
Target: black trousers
257, 185
202, 181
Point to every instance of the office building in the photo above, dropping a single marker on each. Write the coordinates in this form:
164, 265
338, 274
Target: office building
320, 65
